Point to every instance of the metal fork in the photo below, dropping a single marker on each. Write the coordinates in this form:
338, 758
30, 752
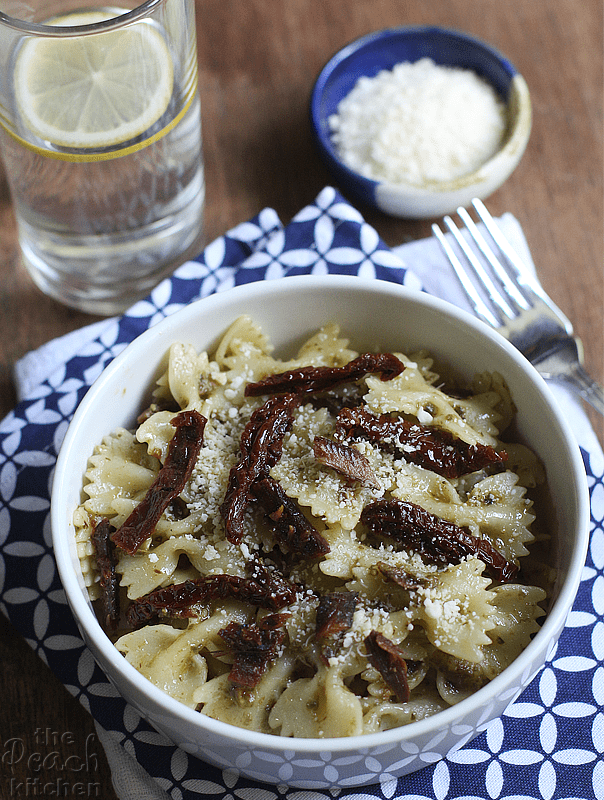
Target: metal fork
505, 294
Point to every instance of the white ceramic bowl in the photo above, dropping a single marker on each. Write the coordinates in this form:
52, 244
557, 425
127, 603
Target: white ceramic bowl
381, 50
378, 315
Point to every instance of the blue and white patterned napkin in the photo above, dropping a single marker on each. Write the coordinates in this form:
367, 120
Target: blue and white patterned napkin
548, 745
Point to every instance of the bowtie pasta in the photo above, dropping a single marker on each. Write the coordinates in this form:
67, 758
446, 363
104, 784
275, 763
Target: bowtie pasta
326, 546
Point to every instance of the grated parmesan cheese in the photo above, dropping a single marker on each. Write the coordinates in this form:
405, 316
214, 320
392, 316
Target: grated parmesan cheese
419, 123
424, 416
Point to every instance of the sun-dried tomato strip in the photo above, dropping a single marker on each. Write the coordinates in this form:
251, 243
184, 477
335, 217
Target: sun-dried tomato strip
177, 600
436, 539
399, 576
386, 657
432, 448
272, 581
261, 446
347, 461
182, 454
289, 524
106, 560
254, 647
335, 613
307, 380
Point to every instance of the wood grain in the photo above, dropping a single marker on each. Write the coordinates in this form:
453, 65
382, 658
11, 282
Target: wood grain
257, 62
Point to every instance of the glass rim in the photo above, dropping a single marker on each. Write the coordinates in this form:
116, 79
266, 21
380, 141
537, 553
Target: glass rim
66, 31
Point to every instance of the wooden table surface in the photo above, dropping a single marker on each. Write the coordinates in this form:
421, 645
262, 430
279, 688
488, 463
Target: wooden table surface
258, 60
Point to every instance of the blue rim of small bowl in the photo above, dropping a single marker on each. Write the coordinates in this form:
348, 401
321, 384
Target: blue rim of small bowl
430, 41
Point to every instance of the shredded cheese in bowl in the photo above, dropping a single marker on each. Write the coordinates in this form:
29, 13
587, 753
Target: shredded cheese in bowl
419, 123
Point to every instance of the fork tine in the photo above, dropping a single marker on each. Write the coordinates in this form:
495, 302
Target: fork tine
524, 275
510, 287
479, 306
479, 270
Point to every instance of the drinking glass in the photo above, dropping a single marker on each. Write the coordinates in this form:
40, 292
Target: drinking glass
100, 133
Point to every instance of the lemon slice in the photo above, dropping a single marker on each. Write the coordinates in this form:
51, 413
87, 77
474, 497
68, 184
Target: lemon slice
93, 91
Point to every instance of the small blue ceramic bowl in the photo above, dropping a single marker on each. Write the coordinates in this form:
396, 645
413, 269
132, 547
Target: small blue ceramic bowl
383, 50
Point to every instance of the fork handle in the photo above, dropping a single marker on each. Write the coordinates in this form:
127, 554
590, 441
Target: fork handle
584, 385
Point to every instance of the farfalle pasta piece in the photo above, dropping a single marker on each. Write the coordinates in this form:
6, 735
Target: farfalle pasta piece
495, 508
217, 699
325, 348
119, 473
155, 432
159, 651
158, 565
187, 379
242, 341
345, 552
187, 374
422, 486
525, 464
86, 554
515, 611
385, 715
472, 419
371, 582
317, 707
119, 468
511, 514
487, 383
514, 614
172, 658
455, 612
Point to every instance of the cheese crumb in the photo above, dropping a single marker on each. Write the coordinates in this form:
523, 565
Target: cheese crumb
424, 416
211, 553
